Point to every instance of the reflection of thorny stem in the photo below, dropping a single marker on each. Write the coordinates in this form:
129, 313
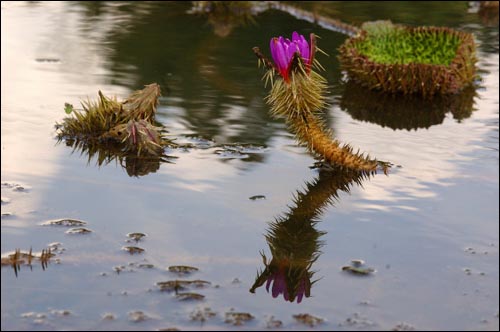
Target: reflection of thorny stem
293, 240
18, 258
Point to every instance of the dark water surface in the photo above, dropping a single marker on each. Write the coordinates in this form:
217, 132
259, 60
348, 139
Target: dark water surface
429, 229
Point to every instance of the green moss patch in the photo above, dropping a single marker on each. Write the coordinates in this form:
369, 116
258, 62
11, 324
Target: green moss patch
421, 60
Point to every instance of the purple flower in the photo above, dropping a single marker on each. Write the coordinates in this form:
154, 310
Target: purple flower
284, 49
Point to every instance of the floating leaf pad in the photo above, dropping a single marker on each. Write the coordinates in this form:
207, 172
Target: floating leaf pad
410, 60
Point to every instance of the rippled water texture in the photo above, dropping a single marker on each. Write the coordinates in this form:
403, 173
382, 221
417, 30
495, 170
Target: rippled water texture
426, 234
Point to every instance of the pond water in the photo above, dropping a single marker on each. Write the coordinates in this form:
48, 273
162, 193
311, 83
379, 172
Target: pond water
429, 229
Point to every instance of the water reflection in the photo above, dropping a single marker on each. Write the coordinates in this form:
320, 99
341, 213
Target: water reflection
106, 152
295, 242
403, 112
224, 16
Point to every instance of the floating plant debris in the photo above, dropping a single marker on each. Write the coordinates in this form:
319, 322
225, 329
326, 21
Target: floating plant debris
79, 230
200, 283
60, 313
410, 60
137, 316
357, 267
357, 262
308, 319
238, 318
182, 269
273, 323
256, 197
403, 327
176, 285
64, 222
358, 270
108, 316
136, 236
133, 250
173, 285
189, 296
356, 320
202, 315
53, 60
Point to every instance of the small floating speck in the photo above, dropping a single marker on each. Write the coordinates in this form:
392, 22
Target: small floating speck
200, 283
176, 285
108, 316
32, 314
358, 270
356, 320
202, 315
173, 285
7, 214
5, 200
238, 318
357, 267
146, 266
357, 262
256, 197
64, 222
189, 296
403, 327
49, 60
308, 319
118, 268
133, 250
60, 313
78, 230
273, 323
136, 236
137, 316
182, 269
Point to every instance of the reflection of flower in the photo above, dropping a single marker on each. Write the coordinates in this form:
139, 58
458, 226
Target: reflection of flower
290, 277
283, 51
282, 283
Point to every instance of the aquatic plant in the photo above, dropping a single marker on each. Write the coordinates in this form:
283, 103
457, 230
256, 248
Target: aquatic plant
131, 123
298, 94
123, 131
410, 60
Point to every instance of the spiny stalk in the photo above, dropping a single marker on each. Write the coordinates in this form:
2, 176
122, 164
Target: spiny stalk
299, 96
